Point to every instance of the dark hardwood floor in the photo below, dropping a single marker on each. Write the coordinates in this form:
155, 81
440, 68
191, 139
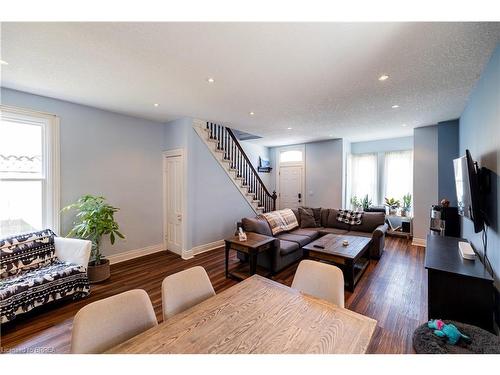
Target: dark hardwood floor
393, 291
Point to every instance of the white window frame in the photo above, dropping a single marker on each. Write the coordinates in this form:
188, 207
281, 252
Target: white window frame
50, 158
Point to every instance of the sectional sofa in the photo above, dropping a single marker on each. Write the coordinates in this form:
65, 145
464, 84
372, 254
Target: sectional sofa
288, 245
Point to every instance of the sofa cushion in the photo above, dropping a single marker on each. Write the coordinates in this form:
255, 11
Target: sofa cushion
256, 225
307, 218
333, 222
370, 221
297, 214
324, 216
27, 290
287, 247
338, 231
359, 234
301, 240
312, 233
26, 251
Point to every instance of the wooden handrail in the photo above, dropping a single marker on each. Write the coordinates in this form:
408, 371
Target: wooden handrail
235, 140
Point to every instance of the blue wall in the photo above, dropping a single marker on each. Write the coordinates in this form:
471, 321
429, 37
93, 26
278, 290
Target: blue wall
447, 151
382, 145
108, 154
479, 131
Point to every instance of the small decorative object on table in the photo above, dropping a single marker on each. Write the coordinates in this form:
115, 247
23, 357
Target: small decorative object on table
405, 210
345, 243
392, 204
242, 235
445, 202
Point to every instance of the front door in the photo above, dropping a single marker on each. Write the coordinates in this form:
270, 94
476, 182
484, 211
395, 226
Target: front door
173, 181
290, 186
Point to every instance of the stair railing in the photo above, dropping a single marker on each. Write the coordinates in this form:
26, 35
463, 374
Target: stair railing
241, 165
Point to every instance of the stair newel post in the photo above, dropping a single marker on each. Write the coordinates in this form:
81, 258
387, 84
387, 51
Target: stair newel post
274, 200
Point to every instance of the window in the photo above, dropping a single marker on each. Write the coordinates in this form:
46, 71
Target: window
29, 171
363, 176
398, 174
291, 156
380, 175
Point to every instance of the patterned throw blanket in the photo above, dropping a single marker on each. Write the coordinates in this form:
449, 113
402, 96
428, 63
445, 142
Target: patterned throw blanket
281, 221
350, 217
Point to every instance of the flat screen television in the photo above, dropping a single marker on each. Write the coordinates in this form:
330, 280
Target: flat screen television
468, 193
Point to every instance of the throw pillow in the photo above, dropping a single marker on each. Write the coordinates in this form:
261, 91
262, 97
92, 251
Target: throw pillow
350, 217
307, 218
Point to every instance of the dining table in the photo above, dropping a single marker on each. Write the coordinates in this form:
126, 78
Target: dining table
260, 316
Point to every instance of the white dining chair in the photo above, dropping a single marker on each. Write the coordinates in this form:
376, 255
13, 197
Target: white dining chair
103, 324
320, 280
185, 289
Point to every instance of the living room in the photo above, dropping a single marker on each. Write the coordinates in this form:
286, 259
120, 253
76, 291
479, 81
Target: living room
292, 198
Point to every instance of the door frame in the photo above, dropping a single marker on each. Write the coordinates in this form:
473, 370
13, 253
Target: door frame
168, 154
290, 164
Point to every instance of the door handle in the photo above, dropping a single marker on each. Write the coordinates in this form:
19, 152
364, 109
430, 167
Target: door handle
179, 217
300, 196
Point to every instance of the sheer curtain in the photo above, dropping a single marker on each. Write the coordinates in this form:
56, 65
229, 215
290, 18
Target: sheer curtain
398, 174
362, 177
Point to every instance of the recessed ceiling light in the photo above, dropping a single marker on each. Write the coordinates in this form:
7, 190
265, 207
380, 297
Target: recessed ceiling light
210, 80
383, 77
2, 62
395, 106
156, 104
403, 125
289, 128
251, 113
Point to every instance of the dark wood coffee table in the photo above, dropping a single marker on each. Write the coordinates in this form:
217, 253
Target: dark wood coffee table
255, 244
352, 259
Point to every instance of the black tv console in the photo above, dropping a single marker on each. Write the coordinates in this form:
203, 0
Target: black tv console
458, 289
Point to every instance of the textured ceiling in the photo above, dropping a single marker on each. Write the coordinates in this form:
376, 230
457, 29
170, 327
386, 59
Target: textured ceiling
319, 79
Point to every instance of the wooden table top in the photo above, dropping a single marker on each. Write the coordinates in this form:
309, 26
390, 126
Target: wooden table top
257, 315
254, 240
333, 245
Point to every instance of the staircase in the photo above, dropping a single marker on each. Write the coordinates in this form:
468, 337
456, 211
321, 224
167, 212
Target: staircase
226, 149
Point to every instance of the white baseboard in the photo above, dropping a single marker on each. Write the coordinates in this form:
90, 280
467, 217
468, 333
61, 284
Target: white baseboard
131, 254
419, 242
188, 254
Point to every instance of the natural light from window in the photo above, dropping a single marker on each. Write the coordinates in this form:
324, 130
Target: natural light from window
291, 156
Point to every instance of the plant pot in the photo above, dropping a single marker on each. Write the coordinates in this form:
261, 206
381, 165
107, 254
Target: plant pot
403, 213
392, 211
99, 272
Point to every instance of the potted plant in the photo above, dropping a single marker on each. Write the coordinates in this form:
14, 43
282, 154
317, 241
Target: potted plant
393, 204
406, 204
95, 219
366, 203
355, 203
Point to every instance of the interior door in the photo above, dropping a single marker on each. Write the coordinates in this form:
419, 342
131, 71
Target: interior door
174, 186
290, 186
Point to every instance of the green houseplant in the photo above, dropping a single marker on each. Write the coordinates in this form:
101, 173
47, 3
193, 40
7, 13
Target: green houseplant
406, 204
393, 204
355, 203
366, 202
95, 219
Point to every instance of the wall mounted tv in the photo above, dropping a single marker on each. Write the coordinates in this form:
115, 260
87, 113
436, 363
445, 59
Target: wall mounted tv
468, 192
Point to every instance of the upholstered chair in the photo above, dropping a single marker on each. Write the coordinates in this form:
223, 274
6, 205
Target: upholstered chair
103, 324
185, 289
320, 280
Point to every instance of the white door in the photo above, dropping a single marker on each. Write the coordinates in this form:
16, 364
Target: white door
290, 186
173, 183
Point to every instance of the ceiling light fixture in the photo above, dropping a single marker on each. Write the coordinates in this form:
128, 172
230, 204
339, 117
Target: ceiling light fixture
383, 77
403, 125
289, 128
3, 62
210, 80
251, 113
395, 106
156, 104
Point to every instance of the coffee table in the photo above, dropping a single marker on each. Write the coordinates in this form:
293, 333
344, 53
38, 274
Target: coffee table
353, 259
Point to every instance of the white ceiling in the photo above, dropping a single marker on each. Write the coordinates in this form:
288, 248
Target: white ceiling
320, 79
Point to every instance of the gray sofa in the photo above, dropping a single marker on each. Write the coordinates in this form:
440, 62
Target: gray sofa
288, 245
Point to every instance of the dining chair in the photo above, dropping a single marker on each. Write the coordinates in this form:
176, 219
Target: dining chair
185, 289
320, 280
103, 324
